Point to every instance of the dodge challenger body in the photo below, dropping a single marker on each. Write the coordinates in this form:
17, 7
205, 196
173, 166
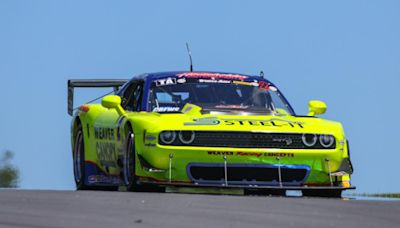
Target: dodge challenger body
205, 129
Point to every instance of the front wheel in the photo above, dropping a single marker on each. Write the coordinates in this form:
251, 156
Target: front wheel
129, 177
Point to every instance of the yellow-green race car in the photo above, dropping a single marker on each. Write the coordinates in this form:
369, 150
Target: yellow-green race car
205, 129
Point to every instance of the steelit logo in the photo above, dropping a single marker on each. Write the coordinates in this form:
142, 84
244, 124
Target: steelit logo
245, 122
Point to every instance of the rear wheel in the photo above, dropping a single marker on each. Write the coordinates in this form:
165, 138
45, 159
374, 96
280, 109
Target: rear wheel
79, 160
333, 193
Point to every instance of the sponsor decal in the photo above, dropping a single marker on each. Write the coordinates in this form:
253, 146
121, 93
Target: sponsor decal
220, 153
252, 154
281, 155
150, 144
214, 81
93, 179
212, 75
274, 122
150, 137
165, 81
263, 85
166, 109
232, 106
181, 80
267, 86
246, 83
105, 147
106, 153
269, 123
286, 140
104, 133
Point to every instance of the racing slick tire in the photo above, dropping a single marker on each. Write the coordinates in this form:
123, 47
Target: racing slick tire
128, 167
79, 159
333, 193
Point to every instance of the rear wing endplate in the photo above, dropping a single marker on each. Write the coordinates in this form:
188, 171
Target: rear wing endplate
90, 83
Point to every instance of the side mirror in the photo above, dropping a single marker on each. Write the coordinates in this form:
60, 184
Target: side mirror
113, 101
316, 107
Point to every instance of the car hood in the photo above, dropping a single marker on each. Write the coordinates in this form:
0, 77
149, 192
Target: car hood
228, 122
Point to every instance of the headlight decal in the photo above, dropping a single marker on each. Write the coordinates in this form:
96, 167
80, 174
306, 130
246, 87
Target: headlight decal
186, 137
326, 140
168, 137
309, 140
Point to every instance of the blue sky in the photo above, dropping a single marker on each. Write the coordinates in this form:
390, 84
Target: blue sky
346, 53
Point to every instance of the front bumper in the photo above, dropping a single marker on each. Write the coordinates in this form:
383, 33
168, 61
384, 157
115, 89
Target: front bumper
225, 166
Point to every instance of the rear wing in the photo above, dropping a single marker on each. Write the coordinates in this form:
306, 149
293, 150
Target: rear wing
90, 83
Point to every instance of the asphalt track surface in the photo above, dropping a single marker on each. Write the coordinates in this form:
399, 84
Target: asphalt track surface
29, 208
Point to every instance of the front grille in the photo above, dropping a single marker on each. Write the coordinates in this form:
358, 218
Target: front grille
245, 174
237, 139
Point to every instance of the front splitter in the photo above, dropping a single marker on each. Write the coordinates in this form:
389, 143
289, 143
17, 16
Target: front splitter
195, 185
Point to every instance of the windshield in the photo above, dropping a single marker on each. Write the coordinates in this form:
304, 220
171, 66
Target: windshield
217, 95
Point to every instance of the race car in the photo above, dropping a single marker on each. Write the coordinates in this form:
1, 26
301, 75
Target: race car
205, 129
